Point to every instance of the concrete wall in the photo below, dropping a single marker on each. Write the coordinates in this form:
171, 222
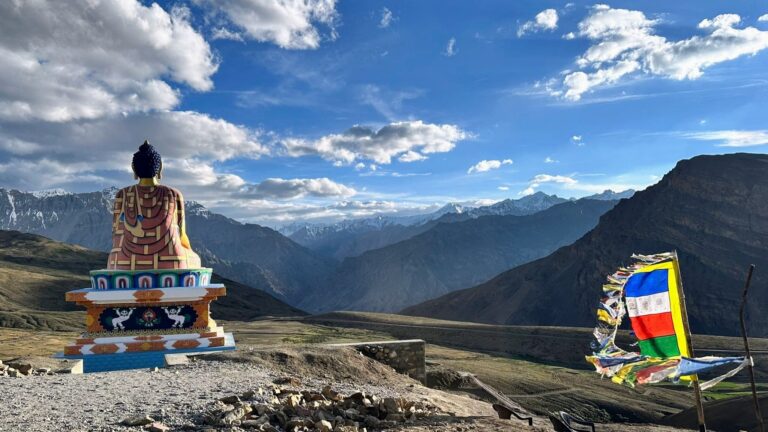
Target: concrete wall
404, 356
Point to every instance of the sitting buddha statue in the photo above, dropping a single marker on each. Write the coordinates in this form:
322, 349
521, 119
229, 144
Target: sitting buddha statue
148, 229
153, 298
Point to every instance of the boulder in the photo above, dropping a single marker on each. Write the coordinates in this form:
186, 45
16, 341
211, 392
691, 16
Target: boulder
331, 394
23, 366
391, 406
293, 401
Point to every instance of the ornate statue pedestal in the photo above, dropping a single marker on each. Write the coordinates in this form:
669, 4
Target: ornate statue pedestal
135, 318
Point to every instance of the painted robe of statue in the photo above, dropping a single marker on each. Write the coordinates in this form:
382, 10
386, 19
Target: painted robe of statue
148, 228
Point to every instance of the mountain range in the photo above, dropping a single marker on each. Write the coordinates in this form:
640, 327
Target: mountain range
712, 209
450, 256
350, 238
263, 258
35, 272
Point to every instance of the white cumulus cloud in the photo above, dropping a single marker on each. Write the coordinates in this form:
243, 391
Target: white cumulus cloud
763, 18
62, 61
544, 20
290, 24
487, 165
407, 140
624, 43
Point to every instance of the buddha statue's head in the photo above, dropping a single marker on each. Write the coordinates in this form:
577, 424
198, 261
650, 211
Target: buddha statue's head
147, 163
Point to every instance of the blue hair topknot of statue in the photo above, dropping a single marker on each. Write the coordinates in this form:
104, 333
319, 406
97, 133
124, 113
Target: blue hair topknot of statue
147, 161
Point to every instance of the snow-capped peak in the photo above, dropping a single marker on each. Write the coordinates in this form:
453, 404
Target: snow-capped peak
45, 193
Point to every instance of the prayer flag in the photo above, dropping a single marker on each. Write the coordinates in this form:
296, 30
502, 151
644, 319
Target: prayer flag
653, 305
649, 292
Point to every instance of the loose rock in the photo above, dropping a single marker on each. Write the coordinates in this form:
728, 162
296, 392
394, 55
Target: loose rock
324, 411
292, 381
140, 420
157, 427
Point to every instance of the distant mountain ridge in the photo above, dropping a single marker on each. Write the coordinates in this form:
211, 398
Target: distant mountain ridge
349, 238
611, 195
84, 218
712, 209
450, 256
374, 222
254, 255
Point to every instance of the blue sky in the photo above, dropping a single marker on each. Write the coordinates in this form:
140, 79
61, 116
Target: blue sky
252, 101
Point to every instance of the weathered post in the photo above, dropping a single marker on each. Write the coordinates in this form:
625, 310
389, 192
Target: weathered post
742, 320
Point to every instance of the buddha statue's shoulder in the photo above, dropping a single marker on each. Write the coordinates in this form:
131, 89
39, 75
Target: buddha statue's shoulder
169, 191
134, 192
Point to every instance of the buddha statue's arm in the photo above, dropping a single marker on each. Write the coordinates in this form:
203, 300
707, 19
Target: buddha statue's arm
181, 221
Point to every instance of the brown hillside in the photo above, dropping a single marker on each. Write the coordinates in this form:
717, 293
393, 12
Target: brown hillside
712, 209
35, 272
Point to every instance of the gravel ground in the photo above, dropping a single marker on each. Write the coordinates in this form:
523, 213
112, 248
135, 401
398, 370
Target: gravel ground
99, 401
176, 396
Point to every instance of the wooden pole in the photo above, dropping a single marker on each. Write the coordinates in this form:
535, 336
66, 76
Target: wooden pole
758, 414
687, 330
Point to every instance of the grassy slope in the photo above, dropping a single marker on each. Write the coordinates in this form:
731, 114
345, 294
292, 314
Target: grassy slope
36, 272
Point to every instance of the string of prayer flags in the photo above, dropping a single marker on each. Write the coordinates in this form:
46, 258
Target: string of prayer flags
650, 293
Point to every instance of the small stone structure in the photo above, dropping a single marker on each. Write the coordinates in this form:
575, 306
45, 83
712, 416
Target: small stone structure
404, 356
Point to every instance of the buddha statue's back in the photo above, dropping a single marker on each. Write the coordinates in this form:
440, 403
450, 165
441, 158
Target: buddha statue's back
148, 226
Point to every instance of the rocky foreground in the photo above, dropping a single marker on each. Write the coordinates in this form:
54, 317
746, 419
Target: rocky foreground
286, 389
